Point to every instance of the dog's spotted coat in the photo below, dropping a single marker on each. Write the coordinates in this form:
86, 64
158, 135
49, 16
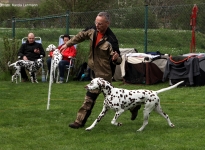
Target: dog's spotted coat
57, 57
122, 99
31, 66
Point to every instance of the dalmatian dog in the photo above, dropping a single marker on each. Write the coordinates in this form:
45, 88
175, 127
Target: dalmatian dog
51, 47
16, 74
121, 100
57, 57
31, 66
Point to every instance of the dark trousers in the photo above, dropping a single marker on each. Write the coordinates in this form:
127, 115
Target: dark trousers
62, 64
48, 61
86, 109
23, 74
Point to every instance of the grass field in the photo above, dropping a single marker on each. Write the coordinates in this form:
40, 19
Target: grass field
25, 123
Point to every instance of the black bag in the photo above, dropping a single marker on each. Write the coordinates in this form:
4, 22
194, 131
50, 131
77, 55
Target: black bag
83, 69
135, 73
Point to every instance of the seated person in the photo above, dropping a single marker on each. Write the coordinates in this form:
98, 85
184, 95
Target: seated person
30, 50
70, 51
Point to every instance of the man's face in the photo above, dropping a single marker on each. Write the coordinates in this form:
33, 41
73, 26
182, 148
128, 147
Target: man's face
101, 24
31, 38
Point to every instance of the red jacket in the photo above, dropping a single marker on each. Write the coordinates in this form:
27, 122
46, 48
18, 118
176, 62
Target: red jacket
69, 51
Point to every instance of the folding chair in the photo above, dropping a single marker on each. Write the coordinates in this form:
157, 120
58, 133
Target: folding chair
61, 40
38, 40
70, 66
72, 59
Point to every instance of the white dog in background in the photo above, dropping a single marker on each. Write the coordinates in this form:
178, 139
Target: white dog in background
57, 57
121, 100
17, 72
31, 66
51, 47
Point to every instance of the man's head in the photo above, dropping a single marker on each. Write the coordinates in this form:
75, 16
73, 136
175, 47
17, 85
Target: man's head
102, 22
65, 38
31, 38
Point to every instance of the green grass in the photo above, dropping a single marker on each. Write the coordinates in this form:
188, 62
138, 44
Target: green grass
26, 123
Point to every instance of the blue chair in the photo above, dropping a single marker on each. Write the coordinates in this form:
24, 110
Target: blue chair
61, 40
72, 59
38, 40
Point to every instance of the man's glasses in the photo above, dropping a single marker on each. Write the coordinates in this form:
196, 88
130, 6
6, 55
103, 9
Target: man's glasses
97, 23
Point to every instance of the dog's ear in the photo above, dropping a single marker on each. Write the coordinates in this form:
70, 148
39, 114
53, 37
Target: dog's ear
99, 83
103, 82
100, 79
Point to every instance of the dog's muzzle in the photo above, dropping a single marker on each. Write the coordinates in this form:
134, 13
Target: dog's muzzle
92, 90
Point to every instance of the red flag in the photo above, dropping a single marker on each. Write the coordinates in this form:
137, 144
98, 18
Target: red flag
193, 24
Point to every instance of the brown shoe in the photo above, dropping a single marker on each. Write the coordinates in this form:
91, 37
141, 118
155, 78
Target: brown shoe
135, 112
75, 125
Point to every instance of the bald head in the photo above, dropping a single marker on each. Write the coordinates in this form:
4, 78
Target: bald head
31, 38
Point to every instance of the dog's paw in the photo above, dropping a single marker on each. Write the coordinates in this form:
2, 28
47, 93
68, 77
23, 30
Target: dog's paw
88, 129
172, 125
119, 124
140, 129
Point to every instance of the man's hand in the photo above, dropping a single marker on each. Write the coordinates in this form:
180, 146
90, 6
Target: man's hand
36, 50
115, 56
25, 58
63, 47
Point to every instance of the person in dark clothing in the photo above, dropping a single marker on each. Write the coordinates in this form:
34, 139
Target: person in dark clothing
30, 50
103, 57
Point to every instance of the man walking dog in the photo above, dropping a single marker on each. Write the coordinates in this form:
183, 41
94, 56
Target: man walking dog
103, 57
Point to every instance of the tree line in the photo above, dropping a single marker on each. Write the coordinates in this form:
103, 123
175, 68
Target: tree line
49, 7
173, 14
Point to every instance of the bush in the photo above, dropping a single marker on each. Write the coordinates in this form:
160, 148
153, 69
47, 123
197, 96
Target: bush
9, 53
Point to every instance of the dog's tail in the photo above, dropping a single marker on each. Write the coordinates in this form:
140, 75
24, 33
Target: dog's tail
9, 64
169, 88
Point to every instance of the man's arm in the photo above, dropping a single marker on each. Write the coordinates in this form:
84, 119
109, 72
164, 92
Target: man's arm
21, 51
42, 52
70, 51
78, 38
